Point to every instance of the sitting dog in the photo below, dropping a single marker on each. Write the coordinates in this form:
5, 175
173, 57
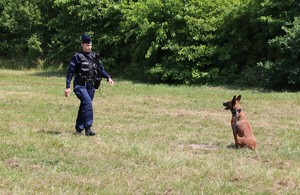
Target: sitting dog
242, 131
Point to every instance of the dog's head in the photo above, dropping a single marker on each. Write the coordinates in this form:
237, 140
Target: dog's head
233, 104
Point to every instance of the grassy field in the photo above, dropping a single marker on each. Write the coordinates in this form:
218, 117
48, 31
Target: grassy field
151, 139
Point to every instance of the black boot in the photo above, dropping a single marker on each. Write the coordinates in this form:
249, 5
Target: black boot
78, 132
89, 132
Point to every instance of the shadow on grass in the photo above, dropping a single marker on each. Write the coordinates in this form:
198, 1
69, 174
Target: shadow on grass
50, 132
53, 132
231, 146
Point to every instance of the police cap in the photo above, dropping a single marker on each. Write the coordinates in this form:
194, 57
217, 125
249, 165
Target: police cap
86, 38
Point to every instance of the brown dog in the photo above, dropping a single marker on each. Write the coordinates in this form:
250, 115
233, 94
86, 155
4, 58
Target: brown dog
242, 131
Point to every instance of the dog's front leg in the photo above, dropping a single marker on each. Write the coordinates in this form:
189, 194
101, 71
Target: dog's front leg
235, 138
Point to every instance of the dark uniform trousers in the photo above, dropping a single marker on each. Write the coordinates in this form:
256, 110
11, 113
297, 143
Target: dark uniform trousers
85, 115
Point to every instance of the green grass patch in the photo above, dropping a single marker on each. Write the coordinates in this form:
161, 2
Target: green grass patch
151, 139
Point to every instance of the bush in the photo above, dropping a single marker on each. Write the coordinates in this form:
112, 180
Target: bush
171, 41
34, 48
284, 71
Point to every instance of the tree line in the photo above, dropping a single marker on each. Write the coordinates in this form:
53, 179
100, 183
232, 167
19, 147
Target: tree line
244, 42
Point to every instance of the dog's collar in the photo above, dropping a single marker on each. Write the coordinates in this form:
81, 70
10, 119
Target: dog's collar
236, 112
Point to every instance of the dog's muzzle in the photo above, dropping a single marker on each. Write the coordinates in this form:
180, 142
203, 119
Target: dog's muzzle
226, 104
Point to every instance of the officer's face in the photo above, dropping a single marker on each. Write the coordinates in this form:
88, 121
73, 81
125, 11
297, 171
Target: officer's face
86, 47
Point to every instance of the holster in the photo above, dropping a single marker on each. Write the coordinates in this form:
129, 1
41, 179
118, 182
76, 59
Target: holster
97, 82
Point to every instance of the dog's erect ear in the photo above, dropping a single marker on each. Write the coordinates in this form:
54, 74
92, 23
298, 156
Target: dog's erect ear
233, 100
239, 98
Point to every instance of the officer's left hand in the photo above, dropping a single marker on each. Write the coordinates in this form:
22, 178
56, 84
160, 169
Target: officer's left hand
110, 81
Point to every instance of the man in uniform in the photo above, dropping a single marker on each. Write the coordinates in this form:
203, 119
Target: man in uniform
88, 71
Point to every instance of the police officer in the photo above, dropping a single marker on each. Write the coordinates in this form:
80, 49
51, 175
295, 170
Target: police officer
88, 71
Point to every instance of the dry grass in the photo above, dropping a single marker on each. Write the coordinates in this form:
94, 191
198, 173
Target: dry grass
151, 139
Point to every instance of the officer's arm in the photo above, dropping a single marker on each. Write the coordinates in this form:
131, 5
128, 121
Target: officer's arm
69, 76
103, 72
71, 71
108, 78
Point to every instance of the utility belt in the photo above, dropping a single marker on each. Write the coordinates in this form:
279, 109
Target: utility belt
95, 82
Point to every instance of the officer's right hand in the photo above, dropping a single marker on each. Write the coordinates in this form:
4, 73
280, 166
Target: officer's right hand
67, 92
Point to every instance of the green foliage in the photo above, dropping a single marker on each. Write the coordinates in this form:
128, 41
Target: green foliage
247, 37
109, 38
71, 14
18, 21
281, 69
173, 41
284, 70
97, 18
34, 47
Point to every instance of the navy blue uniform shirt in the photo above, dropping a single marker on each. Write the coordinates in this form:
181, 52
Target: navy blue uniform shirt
75, 63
